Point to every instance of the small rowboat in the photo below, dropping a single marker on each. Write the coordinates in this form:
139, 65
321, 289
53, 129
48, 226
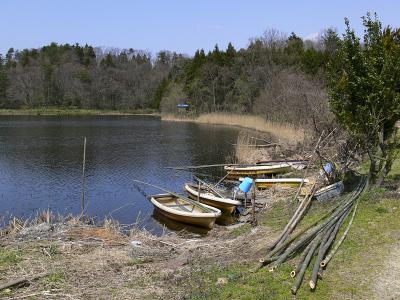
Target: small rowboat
181, 210
211, 198
256, 170
287, 182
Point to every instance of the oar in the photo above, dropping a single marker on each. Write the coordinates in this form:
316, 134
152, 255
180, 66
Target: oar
194, 203
208, 185
201, 166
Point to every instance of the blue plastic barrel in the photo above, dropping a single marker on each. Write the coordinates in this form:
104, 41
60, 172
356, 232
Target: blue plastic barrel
328, 168
246, 184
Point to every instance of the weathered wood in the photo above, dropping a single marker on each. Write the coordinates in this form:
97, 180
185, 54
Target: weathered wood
23, 280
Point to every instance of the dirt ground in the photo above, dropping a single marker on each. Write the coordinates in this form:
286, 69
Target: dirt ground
85, 262
387, 283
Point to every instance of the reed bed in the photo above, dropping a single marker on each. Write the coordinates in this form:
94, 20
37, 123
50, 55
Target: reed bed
246, 151
281, 131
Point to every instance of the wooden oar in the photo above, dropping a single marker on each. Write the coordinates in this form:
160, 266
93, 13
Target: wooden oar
199, 205
208, 185
200, 167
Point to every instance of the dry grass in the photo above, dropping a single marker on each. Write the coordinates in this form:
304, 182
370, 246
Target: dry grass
285, 132
246, 150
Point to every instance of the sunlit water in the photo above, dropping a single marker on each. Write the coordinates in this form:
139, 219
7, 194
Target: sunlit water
41, 163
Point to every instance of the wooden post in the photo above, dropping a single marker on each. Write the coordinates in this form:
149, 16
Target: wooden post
253, 206
198, 193
245, 200
83, 176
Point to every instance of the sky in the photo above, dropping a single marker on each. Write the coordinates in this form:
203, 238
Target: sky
177, 25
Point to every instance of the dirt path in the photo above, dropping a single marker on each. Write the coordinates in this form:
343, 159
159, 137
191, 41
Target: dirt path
387, 284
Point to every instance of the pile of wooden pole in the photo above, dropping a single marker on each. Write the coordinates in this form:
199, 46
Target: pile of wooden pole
316, 239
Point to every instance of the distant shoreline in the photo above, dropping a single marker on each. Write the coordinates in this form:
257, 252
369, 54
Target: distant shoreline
282, 131
75, 112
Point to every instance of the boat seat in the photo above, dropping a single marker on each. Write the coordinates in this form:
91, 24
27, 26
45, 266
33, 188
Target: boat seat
181, 206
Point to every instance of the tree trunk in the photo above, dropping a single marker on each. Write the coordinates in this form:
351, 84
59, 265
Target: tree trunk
373, 172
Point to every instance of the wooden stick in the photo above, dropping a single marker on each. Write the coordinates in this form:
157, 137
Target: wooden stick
22, 280
83, 176
223, 178
292, 161
198, 194
208, 185
253, 206
201, 166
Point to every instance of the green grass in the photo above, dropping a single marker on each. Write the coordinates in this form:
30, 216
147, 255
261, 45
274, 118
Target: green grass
138, 260
54, 278
350, 274
72, 111
246, 228
9, 258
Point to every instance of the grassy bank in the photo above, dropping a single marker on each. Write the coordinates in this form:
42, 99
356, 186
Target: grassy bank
281, 131
60, 111
367, 265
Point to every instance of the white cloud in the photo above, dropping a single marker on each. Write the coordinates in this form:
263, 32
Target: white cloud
314, 37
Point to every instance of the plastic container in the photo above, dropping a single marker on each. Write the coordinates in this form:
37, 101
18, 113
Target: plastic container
246, 185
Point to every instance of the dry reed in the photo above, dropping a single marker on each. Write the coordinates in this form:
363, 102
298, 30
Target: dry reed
285, 132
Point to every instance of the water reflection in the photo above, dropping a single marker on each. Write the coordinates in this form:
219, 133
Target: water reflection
40, 162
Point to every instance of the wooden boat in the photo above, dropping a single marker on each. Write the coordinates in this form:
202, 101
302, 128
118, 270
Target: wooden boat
181, 210
211, 198
293, 162
256, 170
329, 191
271, 182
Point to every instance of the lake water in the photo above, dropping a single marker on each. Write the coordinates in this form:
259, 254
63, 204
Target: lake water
41, 163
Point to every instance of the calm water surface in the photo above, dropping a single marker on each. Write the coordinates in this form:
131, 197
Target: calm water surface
41, 157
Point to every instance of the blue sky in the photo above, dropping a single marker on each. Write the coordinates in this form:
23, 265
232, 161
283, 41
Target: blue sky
178, 25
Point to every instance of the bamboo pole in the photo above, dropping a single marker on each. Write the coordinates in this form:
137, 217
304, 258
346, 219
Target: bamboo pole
325, 244
301, 260
326, 260
305, 264
299, 216
83, 176
299, 208
309, 231
294, 247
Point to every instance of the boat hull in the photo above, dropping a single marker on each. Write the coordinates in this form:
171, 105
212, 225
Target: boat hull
181, 210
279, 182
228, 208
205, 222
235, 173
265, 185
224, 204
